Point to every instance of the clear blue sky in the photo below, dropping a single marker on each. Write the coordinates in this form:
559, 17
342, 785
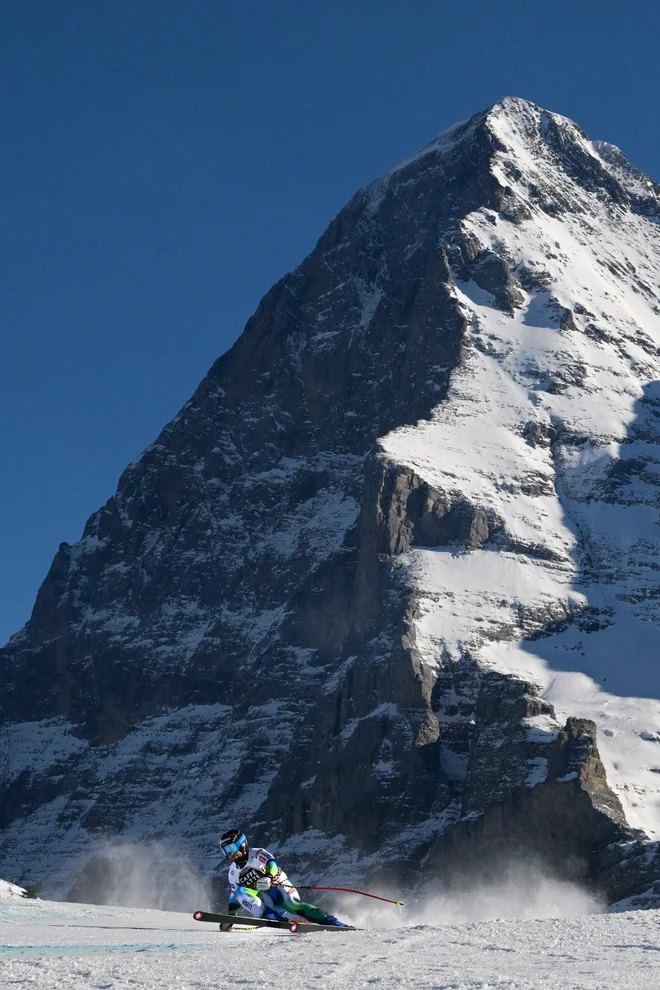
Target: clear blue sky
163, 162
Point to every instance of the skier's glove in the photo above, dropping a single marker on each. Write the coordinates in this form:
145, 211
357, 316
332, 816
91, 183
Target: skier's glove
264, 883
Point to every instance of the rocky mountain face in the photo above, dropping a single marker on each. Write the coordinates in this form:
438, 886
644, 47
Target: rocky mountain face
376, 588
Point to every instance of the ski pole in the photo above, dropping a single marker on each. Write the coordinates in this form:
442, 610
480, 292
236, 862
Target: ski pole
363, 893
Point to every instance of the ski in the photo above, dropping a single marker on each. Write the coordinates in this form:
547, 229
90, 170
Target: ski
233, 919
284, 925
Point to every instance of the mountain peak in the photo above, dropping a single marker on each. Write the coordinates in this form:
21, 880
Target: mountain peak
408, 513
513, 105
541, 159
513, 125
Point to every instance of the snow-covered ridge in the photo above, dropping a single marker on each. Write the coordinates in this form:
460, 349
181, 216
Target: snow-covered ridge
636, 183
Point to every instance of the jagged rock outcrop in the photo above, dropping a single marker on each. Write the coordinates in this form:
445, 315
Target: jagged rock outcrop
372, 590
572, 809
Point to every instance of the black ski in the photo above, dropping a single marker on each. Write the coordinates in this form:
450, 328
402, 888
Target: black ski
290, 926
232, 919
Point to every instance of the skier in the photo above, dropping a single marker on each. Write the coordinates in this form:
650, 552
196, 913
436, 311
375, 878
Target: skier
261, 888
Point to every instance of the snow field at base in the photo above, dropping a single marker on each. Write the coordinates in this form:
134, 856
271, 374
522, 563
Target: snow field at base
47, 945
576, 546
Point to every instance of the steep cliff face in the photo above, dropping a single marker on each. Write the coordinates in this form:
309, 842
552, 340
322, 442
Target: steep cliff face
374, 588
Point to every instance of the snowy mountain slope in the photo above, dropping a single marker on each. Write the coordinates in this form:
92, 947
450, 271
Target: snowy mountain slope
410, 511
512, 447
552, 424
49, 944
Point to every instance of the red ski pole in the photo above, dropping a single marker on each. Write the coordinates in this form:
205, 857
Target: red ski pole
363, 893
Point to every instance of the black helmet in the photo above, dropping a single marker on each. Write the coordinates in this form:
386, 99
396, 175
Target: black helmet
234, 845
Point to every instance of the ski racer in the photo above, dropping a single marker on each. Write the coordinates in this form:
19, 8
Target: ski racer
261, 888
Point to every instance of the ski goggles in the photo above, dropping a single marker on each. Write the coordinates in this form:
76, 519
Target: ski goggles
233, 847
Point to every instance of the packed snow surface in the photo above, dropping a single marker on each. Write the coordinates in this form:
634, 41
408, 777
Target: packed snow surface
48, 945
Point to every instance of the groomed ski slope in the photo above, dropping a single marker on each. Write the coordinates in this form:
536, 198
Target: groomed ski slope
47, 945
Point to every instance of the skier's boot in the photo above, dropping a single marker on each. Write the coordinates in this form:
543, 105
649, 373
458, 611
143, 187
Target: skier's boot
269, 915
331, 920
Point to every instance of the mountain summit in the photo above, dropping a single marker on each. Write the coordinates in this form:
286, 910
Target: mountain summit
380, 583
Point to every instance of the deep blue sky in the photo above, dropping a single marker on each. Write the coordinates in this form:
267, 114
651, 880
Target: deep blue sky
163, 162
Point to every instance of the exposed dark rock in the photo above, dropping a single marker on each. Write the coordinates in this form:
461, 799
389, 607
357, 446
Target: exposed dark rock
409, 512
492, 274
563, 823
